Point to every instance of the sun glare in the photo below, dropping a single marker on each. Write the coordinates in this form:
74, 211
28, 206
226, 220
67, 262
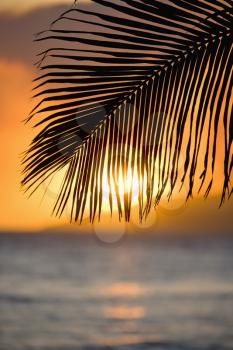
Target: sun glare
121, 187
126, 185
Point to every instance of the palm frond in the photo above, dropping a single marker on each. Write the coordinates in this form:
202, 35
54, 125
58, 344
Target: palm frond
133, 85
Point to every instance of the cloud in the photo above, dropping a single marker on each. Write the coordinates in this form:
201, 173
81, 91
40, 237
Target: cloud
18, 7
17, 31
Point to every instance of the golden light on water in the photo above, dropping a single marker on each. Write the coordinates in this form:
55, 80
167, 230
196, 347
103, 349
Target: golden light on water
125, 289
125, 312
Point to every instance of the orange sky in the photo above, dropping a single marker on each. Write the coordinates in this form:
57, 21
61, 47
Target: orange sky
16, 211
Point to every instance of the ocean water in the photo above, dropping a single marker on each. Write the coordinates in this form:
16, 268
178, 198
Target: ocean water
70, 292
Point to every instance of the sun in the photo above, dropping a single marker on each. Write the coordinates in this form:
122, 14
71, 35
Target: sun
125, 185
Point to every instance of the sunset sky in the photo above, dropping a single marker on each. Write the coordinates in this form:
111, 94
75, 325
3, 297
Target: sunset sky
19, 20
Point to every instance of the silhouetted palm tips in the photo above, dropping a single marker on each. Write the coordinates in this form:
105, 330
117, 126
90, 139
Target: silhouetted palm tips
133, 87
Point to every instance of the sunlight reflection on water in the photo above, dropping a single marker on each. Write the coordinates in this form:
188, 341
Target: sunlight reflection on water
124, 312
123, 289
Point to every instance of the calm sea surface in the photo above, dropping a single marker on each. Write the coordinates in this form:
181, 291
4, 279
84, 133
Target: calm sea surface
66, 292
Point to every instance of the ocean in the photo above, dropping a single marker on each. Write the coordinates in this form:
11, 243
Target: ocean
72, 292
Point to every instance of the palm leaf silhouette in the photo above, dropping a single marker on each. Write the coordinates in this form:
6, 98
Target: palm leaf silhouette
133, 84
